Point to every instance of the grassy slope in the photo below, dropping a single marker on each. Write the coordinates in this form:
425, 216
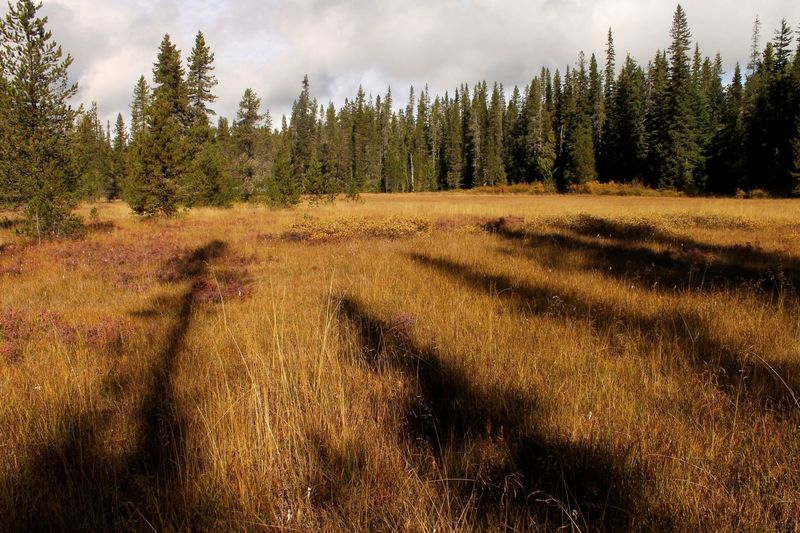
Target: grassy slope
408, 362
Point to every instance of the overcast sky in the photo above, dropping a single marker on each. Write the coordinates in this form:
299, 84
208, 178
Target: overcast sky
270, 44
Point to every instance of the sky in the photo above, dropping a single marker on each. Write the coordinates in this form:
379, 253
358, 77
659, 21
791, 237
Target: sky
269, 45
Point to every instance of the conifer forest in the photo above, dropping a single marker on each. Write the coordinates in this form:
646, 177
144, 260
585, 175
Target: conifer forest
570, 304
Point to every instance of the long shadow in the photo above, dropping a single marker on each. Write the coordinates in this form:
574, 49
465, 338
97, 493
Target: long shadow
688, 264
769, 388
541, 479
77, 484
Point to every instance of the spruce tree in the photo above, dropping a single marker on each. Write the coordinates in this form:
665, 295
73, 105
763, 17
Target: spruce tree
333, 157
139, 109
755, 47
158, 169
10, 189
436, 132
454, 145
624, 141
303, 149
726, 153
90, 155
200, 80
245, 138
495, 172
783, 45
119, 160
536, 141
37, 92
514, 137
657, 120
597, 108
283, 189
684, 151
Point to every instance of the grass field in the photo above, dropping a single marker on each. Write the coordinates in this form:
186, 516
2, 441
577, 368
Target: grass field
447, 362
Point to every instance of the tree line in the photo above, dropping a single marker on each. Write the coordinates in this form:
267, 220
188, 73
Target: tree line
670, 123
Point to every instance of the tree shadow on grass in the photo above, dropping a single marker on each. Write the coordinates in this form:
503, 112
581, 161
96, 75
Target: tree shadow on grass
766, 387
620, 250
529, 477
77, 484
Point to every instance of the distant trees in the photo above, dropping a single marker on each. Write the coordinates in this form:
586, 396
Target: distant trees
669, 123
37, 169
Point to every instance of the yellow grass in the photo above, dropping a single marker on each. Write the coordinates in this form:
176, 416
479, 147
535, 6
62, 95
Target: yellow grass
423, 362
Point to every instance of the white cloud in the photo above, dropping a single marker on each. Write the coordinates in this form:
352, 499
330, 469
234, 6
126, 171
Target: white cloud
270, 45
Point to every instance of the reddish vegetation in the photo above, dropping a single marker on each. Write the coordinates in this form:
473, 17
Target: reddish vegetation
18, 328
505, 224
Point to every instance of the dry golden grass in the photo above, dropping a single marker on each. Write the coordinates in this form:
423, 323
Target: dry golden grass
443, 362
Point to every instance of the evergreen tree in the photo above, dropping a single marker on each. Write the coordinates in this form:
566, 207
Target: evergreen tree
657, 120
333, 156
495, 172
359, 146
726, 154
536, 138
37, 91
139, 109
119, 148
605, 148
200, 80
245, 138
159, 158
783, 45
90, 155
436, 133
384, 134
283, 189
303, 149
596, 105
624, 141
684, 151
454, 145
755, 47
10, 188
514, 138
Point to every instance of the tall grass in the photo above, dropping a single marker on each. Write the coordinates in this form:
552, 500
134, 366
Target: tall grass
409, 362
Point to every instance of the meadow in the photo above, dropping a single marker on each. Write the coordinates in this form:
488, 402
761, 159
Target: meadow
426, 362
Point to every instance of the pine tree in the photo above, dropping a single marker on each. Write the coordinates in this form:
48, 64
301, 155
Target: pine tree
684, 151
37, 94
495, 172
10, 188
139, 109
303, 149
535, 135
783, 45
159, 159
333, 158
359, 146
605, 149
119, 148
436, 132
90, 155
514, 137
624, 142
657, 120
283, 189
200, 80
245, 138
755, 47
771, 117
596, 104
726, 153
476, 137
454, 145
